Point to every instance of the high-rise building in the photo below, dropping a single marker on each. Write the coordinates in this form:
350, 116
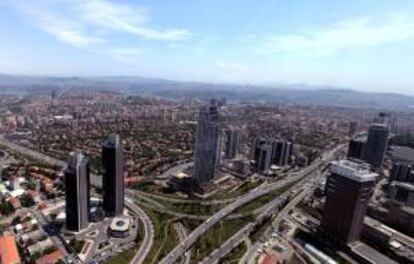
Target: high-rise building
77, 193
376, 146
402, 172
281, 152
348, 190
217, 163
353, 127
402, 193
232, 143
206, 145
265, 157
113, 176
356, 147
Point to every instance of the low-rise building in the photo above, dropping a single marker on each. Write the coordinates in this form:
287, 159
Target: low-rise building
120, 227
8, 250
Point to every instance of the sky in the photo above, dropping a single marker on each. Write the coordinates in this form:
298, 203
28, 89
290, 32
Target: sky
360, 44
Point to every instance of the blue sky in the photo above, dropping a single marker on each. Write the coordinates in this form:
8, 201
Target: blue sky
361, 44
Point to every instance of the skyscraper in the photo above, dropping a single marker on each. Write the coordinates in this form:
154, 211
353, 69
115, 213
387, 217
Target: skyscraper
77, 193
232, 143
281, 152
353, 127
377, 142
113, 176
348, 190
206, 145
356, 147
261, 154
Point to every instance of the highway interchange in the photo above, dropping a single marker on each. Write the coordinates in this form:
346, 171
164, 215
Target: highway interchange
186, 243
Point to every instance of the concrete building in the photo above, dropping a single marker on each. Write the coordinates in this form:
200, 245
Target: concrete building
403, 162
356, 147
264, 158
206, 145
348, 190
281, 152
353, 128
402, 173
113, 176
402, 193
77, 193
376, 146
120, 227
232, 143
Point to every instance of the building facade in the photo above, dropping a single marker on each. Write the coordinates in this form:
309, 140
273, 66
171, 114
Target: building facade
113, 176
207, 144
376, 146
232, 143
77, 193
348, 190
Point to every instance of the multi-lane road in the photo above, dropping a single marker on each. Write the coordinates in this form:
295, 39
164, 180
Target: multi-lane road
192, 238
189, 241
96, 182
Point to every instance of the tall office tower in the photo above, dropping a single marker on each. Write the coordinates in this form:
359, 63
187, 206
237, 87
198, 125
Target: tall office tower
402, 172
281, 152
217, 163
77, 193
377, 142
206, 145
264, 158
232, 143
353, 127
348, 190
255, 151
113, 176
356, 147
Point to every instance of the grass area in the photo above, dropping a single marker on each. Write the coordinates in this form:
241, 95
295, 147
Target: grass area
245, 187
123, 258
262, 200
190, 224
126, 257
150, 187
216, 236
165, 238
259, 231
195, 209
235, 255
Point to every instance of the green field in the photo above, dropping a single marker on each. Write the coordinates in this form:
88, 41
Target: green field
216, 236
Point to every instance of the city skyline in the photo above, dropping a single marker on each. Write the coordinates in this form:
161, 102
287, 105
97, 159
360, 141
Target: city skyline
365, 46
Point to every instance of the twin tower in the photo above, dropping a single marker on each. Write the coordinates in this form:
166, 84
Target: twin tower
77, 181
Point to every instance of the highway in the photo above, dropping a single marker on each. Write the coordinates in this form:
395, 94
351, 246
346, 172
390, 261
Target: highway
148, 233
210, 222
182, 234
189, 241
270, 208
96, 182
183, 246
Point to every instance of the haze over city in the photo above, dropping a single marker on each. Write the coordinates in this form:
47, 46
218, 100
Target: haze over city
363, 45
206, 132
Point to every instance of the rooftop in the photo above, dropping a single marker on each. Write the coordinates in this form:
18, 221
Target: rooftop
371, 255
120, 224
353, 170
402, 154
8, 250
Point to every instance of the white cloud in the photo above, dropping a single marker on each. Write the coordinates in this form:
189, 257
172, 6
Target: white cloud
127, 53
124, 18
344, 35
231, 66
62, 29
83, 23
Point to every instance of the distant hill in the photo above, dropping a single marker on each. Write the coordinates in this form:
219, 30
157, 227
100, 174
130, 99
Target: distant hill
130, 85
